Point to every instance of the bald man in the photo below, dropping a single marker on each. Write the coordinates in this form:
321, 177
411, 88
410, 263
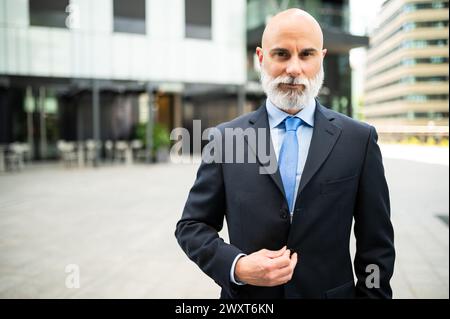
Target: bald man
289, 227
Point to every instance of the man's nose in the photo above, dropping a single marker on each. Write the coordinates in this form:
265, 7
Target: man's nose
294, 67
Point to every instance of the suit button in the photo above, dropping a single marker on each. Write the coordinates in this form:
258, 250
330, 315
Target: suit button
284, 213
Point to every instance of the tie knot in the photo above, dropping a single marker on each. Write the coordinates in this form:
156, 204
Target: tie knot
292, 123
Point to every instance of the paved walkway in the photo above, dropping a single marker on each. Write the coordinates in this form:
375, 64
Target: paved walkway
417, 153
117, 224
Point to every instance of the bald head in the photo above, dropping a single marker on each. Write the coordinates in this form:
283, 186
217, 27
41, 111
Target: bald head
292, 23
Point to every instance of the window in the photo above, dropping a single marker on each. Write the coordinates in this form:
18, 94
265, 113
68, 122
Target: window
198, 17
408, 61
422, 115
438, 59
332, 13
439, 5
48, 13
129, 16
409, 26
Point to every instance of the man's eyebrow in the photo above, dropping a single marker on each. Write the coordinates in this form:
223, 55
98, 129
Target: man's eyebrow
276, 50
308, 50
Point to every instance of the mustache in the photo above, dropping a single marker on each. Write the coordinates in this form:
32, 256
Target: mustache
290, 80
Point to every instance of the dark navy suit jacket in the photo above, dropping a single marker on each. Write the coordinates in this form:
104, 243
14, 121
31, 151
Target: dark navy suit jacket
343, 180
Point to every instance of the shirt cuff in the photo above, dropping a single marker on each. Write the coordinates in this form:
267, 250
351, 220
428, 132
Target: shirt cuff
233, 266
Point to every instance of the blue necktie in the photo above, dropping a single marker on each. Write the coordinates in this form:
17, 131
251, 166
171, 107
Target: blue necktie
288, 158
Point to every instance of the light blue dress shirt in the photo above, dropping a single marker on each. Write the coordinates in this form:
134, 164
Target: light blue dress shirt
304, 135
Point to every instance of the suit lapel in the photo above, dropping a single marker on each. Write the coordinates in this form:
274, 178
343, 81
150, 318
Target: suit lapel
260, 121
324, 137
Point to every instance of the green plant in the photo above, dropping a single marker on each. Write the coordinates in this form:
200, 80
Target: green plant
161, 135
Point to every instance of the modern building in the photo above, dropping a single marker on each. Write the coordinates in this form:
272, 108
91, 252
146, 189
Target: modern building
406, 87
333, 17
78, 70
84, 69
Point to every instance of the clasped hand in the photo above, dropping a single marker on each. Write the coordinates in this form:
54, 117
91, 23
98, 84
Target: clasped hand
266, 267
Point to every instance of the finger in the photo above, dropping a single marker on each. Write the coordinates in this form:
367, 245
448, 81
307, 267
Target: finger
282, 272
288, 269
274, 253
294, 259
282, 261
280, 280
285, 280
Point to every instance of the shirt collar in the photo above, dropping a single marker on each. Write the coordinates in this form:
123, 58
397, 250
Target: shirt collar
276, 115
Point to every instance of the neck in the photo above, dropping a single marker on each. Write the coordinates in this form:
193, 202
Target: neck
291, 112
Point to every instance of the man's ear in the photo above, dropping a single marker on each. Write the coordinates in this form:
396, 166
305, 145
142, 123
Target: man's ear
324, 52
259, 53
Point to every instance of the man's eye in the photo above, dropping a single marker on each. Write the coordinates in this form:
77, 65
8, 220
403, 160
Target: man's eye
306, 54
282, 54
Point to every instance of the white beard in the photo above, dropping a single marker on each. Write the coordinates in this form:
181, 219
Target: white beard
291, 100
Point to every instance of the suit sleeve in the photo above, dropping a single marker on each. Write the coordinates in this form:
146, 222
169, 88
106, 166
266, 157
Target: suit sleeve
202, 219
373, 229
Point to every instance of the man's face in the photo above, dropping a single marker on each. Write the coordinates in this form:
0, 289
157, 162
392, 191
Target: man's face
291, 64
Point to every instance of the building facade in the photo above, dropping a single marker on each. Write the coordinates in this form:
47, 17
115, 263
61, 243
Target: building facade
78, 70
83, 69
406, 87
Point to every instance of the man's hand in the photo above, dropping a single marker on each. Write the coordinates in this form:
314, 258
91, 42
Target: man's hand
266, 267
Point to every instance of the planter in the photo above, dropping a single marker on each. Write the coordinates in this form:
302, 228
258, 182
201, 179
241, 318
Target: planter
162, 154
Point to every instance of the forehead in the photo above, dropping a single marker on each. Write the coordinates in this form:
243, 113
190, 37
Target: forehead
292, 40
290, 34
